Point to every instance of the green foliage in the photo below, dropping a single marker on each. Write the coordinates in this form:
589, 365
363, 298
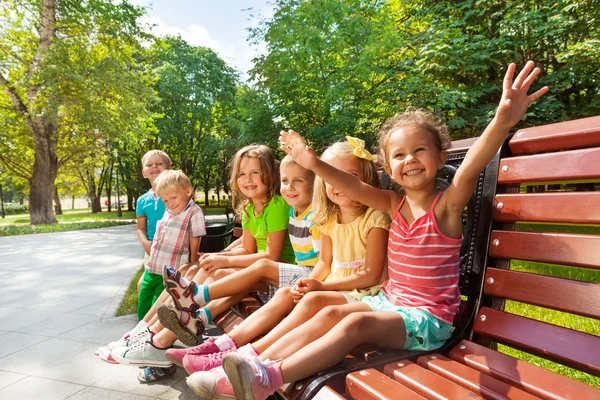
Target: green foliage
12, 209
13, 230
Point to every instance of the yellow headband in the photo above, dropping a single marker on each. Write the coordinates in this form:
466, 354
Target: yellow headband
359, 148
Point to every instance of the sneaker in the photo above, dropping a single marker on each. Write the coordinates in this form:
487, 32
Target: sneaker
186, 325
193, 363
180, 290
176, 355
211, 385
141, 354
252, 379
153, 374
142, 334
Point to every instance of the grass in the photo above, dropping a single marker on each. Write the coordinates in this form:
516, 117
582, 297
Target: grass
583, 324
129, 303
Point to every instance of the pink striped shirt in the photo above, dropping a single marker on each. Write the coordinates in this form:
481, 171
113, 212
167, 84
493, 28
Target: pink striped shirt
423, 266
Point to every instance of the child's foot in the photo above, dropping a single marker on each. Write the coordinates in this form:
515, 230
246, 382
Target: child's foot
206, 348
152, 374
194, 363
186, 325
212, 385
141, 354
181, 290
252, 379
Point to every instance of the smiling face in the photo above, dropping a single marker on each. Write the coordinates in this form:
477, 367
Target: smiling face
249, 180
348, 164
153, 167
413, 158
296, 186
177, 199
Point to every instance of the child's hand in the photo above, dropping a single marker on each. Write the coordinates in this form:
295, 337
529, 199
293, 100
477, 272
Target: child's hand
212, 262
294, 145
296, 295
515, 101
306, 285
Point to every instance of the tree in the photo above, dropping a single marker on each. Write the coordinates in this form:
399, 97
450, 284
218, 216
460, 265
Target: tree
62, 61
196, 90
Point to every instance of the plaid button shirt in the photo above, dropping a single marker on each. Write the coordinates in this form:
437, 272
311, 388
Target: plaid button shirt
171, 244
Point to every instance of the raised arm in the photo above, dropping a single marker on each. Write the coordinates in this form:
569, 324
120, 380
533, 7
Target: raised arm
305, 156
512, 108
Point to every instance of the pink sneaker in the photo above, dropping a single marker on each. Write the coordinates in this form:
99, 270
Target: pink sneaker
180, 290
252, 379
195, 363
212, 385
186, 325
176, 355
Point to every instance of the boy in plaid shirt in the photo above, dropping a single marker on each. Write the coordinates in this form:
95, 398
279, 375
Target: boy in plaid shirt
178, 233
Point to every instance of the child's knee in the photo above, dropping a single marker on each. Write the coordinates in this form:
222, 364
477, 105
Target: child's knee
264, 264
355, 324
183, 268
192, 270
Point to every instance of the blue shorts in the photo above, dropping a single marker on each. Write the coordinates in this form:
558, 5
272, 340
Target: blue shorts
423, 331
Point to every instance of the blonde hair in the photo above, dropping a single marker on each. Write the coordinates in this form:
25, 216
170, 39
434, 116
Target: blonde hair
269, 174
160, 153
325, 209
170, 180
413, 117
288, 160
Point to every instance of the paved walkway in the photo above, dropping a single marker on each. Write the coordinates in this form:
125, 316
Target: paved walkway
59, 294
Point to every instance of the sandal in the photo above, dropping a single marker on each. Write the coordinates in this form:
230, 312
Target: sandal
152, 374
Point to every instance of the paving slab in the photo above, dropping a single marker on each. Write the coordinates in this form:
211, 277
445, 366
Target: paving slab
58, 307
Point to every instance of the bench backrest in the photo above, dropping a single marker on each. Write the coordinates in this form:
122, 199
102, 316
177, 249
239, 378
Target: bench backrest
544, 248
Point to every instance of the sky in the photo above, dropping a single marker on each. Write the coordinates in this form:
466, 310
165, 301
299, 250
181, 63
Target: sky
220, 25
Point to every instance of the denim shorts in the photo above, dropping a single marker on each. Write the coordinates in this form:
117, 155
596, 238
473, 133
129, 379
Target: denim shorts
423, 331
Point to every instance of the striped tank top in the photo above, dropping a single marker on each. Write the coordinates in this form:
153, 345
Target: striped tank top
423, 266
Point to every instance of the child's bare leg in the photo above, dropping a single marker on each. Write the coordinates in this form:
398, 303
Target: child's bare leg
246, 279
265, 318
384, 329
311, 304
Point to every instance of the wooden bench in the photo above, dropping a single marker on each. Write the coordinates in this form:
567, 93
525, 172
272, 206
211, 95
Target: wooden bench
552, 312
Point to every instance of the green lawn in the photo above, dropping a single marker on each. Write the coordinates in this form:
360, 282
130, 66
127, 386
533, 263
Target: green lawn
576, 322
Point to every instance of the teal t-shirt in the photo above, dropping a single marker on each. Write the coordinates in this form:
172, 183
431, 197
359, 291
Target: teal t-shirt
274, 218
152, 207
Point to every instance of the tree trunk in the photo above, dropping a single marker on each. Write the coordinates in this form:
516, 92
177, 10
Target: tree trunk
108, 193
130, 196
94, 198
72, 202
57, 205
45, 168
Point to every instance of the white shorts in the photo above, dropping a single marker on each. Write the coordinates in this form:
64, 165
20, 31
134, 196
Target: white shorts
289, 274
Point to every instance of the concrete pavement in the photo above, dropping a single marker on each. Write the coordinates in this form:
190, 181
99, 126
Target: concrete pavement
59, 293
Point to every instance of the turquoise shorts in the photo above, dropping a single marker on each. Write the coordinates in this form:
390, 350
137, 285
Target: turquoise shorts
423, 331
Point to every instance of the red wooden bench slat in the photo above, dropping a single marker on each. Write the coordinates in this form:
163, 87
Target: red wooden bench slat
372, 384
536, 380
566, 346
556, 248
327, 393
472, 379
462, 145
248, 305
583, 132
425, 382
574, 165
582, 298
227, 321
548, 207
237, 232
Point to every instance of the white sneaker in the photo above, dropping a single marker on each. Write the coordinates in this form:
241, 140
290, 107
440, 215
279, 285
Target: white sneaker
141, 334
141, 353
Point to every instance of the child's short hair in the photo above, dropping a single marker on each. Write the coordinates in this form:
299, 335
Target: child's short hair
269, 173
422, 118
160, 153
288, 160
325, 209
170, 180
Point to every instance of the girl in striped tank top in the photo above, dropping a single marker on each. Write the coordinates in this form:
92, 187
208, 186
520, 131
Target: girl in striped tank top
416, 306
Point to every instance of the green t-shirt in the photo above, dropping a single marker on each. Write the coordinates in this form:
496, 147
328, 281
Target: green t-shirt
274, 218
